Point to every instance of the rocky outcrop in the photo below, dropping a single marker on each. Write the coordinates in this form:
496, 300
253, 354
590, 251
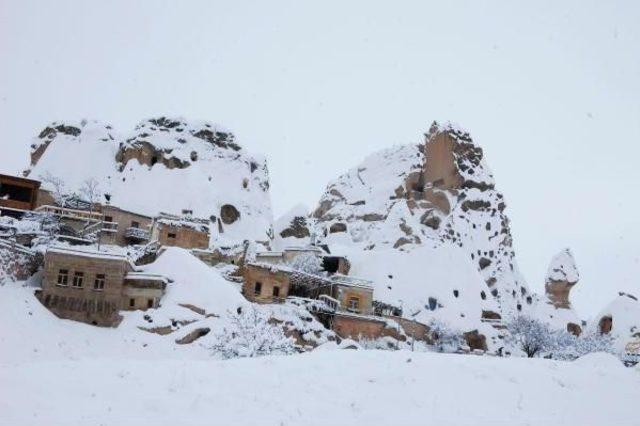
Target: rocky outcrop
620, 319
297, 228
193, 336
562, 276
229, 214
438, 192
475, 340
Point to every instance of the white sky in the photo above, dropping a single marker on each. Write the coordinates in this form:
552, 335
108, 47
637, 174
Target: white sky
551, 90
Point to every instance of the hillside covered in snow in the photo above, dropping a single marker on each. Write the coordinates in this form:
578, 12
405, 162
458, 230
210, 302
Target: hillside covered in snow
163, 165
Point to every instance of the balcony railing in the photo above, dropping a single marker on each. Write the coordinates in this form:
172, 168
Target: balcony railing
71, 213
136, 234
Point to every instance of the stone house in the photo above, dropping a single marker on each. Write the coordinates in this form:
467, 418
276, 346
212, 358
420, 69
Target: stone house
354, 295
265, 283
131, 228
181, 231
93, 287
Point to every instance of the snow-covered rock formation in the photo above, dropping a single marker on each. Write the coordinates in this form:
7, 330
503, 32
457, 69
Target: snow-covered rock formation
562, 275
164, 165
554, 308
620, 319
440, 195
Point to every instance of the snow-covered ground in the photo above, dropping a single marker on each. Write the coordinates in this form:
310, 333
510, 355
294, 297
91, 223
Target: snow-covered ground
58, 372
319, 388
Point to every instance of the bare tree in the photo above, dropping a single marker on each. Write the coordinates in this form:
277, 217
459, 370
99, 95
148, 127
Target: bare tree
90, 191
251, 334
530, 335
60, 193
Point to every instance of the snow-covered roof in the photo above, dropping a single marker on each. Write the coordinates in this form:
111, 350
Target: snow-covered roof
90, 252
146, 276
198, 224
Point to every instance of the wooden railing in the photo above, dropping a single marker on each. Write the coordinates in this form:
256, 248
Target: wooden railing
71, 213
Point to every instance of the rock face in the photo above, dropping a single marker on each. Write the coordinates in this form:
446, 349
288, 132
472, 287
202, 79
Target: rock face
163, 165
437, 193
562, 275
620, 319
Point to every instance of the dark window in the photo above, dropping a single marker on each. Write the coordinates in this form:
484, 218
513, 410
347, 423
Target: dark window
78, 278
108, 219
135, 224
456, 293
483, 295
353, 304
149, 303
132, 303
63, 277
276, 291
257, 288
171, 235
98, 284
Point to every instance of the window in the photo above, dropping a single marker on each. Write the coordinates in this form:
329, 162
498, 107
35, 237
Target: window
171, 235
108, 218
456, 293
98, 284
135, 224
149, 303
132, 303
276, 292
257, 288
353, 304
78, 278
63, 277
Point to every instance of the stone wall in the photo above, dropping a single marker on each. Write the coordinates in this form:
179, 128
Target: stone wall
16, 262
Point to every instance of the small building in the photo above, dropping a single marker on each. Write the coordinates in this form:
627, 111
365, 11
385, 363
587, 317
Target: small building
131, 228
331, 264
143, 291
93, 287
354, 295
265, 283
181, 231
17, 194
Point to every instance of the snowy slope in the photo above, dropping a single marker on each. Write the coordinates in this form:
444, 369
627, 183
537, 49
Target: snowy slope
163, 165
372, 388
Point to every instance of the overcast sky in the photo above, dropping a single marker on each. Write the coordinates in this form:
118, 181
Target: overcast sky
550, 90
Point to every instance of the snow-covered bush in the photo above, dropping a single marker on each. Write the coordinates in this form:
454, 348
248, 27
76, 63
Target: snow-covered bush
307, 263
250, 334
536, 338
530, 335
445, 339
569, 347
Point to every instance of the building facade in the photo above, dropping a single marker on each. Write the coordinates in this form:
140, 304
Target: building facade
93, 287
181, 231
131, 228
